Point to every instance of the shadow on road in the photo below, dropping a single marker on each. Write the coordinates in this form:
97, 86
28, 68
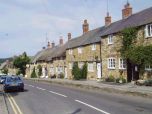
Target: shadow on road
77, 111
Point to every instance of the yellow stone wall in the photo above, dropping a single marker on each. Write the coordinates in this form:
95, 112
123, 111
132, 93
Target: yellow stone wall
87, 55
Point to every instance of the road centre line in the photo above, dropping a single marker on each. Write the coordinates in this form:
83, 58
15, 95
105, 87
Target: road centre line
40, 88
57, 93
92, 107
14, 105
31, 85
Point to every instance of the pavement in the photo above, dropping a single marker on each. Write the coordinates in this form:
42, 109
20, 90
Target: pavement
44, 98
3, 105
128, 88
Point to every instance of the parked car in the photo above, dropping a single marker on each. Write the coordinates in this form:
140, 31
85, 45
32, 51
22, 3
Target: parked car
2, 79
13, 83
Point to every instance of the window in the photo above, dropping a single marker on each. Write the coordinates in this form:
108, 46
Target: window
122, 64
79, 49
70, 51
148, 31
110, 39
90, 67
148, 68
80, 65
111, 63
70, 65
93, 46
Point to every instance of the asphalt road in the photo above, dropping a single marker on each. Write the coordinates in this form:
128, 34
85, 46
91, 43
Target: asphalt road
41, 98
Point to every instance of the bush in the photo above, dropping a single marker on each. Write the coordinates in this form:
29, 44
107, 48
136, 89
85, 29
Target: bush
84, 71
76, 72
110, 79
120, 80
5, 71
39, 67
61, 75
33, 75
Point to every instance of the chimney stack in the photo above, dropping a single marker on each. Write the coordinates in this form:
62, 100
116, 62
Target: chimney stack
107, 19
61, 41
127, 11
53, 44
48, 45
43, 48
85, 26
69, 36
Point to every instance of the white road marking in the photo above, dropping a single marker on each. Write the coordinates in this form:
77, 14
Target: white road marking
92, 107
40, 88
57, 93
31, 85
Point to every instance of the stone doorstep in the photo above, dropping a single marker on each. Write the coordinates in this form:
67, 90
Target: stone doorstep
101, 87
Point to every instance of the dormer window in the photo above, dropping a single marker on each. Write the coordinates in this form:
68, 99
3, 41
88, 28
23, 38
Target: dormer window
148, 31
110, 39
93, 46
80, 50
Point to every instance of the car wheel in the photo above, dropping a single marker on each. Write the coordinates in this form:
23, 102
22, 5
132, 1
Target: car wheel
22, 90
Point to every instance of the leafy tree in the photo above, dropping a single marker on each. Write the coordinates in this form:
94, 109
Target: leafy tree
129, 36
33, 75
5, 71
21, 61
39, 67
84, 71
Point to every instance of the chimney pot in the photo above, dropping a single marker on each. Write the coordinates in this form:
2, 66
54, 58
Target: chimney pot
107, 19
127, 11
48, 45
61, 41
85, 26
53, 44
69, 36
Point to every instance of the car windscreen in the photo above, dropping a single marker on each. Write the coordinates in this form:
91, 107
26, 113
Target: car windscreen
13, 79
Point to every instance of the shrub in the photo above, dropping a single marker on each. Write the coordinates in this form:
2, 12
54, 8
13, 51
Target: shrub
110, 79
84, 71
61, 75
5, 71
76, 72
120, 80
33, 75
39, 67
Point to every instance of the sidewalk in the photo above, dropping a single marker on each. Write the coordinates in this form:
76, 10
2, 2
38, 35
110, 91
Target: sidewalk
128, 88
3, 108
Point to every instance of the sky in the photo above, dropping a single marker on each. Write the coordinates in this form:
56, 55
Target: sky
27, 25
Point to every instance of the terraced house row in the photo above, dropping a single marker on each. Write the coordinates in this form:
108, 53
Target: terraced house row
98, 48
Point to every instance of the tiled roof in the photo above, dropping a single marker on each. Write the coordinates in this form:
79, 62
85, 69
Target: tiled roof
93, 36
138, 19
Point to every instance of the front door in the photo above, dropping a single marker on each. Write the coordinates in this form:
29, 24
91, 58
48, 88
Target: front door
66, 75
99, 70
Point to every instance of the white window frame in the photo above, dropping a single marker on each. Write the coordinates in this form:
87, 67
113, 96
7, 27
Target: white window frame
93, 47
148, 30
110, 39
148, 68
90, 67
122, 63
79, 50
111, 63
81, 65
70, 51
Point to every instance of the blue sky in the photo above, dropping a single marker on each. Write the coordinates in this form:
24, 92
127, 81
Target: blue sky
24, 23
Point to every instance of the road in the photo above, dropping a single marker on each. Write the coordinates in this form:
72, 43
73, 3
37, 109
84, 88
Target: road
41, 98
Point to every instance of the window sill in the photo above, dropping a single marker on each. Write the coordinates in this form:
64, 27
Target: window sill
122, 68
111, 68
148, 37
110, 43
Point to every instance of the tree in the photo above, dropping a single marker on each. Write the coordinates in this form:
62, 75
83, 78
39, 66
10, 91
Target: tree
84, 71
39, 67
33, 75
5, 71
21, 61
